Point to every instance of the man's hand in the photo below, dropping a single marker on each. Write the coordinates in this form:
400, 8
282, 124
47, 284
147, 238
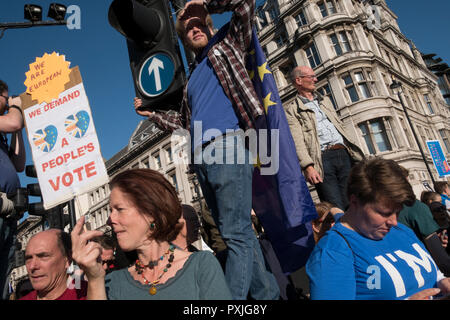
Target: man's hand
312, 176
425, 294
137, 105
86, 253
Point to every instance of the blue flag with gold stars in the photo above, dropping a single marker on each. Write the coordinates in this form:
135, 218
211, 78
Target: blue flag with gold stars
281, 201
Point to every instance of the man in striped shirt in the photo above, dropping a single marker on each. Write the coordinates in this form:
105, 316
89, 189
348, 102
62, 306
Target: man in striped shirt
219, 102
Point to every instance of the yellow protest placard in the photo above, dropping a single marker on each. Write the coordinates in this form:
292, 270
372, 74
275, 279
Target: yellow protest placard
47, 77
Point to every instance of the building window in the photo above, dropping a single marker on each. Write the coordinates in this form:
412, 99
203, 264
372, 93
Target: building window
362, 85
157, 159
340, 43
444, 137
407, 133
326, 92
350, 87
173, 180
367, 139
313, 56
145, 163
327, 7
375, 136
280, 39
428, 103
98, 219
169, 154
300, 19
274, 12
359, 85
422, 137
262, 18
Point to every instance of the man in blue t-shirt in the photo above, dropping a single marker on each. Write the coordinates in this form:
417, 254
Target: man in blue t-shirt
12, 160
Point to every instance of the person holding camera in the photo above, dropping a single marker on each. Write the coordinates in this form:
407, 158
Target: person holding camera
12, 160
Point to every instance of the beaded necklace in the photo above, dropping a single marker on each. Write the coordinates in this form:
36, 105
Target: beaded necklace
140, 268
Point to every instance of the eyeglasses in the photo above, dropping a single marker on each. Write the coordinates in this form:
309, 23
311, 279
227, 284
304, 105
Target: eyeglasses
309, 76
6, 97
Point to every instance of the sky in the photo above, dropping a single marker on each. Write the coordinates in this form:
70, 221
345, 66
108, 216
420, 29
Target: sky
101, 54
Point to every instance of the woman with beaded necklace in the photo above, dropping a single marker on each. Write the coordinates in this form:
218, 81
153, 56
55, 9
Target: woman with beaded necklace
145, 213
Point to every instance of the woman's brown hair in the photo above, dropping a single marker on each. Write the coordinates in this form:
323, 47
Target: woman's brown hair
153, 196
378, 180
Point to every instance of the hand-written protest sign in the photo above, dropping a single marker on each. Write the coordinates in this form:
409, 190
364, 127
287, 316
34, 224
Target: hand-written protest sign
440, 163
47, 77
64, 144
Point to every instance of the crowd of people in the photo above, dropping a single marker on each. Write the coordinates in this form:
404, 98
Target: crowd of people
373, 238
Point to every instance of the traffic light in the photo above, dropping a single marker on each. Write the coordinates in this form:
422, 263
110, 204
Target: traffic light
54, 216
155, 58
33, 189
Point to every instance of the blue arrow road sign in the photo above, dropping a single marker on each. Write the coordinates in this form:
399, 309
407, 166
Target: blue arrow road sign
156, 74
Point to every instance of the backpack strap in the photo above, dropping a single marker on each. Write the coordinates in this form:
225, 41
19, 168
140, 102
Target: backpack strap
346, 241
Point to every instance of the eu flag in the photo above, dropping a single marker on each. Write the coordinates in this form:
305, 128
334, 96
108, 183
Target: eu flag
281, 201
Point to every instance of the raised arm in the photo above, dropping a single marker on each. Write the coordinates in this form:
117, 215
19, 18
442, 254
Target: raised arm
241, 23
86, 254
167, 122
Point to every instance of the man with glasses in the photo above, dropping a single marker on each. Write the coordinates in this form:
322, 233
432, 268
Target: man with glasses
12, 160
325, 150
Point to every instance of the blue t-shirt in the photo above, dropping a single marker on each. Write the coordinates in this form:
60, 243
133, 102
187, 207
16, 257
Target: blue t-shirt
393, 268
209, 104
9, 180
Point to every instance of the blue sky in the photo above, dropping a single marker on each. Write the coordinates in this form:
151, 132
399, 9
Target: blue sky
101, 54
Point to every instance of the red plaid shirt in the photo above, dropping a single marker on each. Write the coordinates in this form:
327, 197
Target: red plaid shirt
228, 58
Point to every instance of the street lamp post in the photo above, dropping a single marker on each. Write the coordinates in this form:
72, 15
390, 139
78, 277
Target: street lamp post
396, 87
33, 13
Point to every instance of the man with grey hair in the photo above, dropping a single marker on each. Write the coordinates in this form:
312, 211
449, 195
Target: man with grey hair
325, 150
47, 257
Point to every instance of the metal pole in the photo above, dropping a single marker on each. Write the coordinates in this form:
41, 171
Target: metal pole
73, 219
178, 5
415, 136
18, 25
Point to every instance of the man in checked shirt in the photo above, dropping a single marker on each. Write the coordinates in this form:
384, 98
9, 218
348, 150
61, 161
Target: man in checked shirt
218, 99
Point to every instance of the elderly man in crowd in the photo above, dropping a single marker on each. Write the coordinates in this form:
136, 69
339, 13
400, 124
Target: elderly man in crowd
325, 150
47, 257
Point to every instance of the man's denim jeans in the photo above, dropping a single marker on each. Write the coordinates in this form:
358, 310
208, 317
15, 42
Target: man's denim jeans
227, 188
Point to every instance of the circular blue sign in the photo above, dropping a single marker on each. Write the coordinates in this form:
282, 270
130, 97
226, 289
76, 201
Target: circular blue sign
156, 74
